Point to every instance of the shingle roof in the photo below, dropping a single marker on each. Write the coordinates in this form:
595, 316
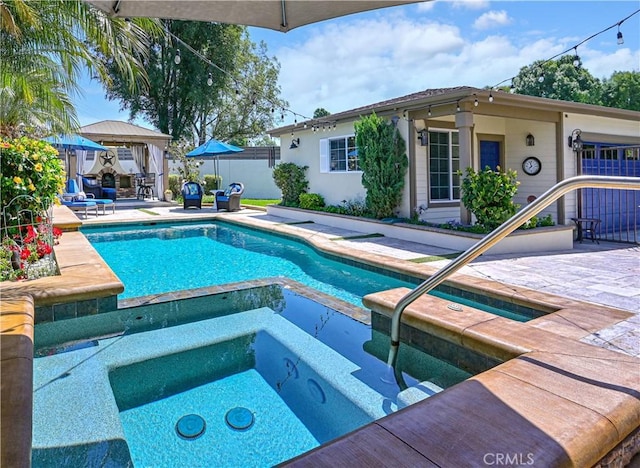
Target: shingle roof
391, 103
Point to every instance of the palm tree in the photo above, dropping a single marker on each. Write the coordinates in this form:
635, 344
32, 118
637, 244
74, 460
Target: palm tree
44, 46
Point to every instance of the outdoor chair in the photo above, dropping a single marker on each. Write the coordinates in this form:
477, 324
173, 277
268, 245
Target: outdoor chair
82, 206
146, 186
74, 197
229, 199
192, 195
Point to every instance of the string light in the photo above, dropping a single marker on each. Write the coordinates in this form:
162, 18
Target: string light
620, 41
209, 79
619, 35
475, 100
315, 128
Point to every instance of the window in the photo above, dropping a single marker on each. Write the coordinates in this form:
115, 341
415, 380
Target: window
339, 155
444, 163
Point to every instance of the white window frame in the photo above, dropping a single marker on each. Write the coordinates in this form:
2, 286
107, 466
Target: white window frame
325, 155
451, 198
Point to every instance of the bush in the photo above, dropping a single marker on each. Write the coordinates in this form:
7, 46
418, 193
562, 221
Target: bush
546, 221
175, 185
290, 179
489, 196
32, 177
311, 201
381, 152
212, 182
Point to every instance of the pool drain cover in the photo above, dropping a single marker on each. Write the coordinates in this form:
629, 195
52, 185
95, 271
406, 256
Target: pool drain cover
239, 418
190, 426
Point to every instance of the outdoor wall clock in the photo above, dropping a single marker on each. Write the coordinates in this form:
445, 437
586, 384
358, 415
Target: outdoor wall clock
531, 165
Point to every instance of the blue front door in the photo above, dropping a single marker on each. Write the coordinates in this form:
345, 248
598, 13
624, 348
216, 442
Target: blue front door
489, 154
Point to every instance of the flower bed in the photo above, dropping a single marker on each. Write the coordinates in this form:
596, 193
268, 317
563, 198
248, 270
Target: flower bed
541, 239
31, 178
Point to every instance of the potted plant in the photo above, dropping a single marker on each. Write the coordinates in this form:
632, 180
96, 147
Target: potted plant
168, 195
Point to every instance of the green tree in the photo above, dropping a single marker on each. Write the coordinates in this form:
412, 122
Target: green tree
558, 79
381, 152
236, 99
622, 90
320, 112
44, 46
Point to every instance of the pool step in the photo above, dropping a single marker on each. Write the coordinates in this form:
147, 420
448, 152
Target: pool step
417, 393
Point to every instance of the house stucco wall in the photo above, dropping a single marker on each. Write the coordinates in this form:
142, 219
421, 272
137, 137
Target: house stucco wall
333, 186
544, 149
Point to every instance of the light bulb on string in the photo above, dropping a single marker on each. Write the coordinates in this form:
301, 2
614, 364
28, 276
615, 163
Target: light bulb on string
305, 125
541, 77
576, 59
429, 111
620, 39
490, 96
295, 121
512, 88
458, 106
209, 79
475, 100
177, 59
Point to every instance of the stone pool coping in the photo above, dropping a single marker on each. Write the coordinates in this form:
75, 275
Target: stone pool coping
554, 334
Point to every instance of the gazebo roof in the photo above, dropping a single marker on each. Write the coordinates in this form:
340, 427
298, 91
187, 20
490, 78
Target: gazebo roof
114, 131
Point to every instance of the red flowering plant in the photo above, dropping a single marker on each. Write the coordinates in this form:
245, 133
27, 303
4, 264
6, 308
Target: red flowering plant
28, 254
31, 177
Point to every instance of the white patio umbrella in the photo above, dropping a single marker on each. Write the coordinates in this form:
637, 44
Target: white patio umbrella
279, 15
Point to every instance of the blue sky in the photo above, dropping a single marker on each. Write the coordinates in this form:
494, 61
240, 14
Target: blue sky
361, 59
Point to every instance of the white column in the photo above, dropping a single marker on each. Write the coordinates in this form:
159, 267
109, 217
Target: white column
464, 124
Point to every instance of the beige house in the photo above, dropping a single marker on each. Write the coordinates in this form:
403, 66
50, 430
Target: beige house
455, 128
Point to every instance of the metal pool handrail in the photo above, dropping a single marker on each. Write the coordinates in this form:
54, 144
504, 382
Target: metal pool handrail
546, 199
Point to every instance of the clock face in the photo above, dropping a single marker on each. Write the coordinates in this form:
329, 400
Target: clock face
531, 166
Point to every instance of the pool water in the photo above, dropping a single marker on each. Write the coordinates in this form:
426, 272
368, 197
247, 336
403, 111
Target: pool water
306, 373
163, 259
169, 257
276, 435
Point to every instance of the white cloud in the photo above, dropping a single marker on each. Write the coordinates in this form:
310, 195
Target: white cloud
602, 65
470, 4
362, 62
492, 19
426, 6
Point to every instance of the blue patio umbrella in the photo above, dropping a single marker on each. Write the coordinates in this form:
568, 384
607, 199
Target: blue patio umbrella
72, 142
213, 149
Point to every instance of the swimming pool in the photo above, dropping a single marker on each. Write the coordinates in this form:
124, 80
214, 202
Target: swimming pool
159, 258
304, 374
